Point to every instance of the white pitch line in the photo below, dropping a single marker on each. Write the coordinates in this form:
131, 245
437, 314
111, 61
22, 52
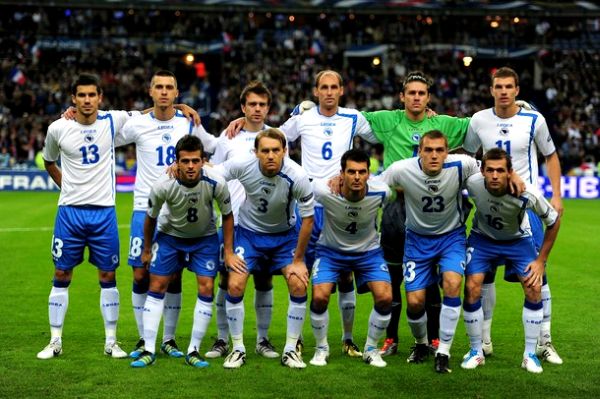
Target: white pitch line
29, 229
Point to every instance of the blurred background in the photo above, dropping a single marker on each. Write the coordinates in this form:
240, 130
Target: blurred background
216, 47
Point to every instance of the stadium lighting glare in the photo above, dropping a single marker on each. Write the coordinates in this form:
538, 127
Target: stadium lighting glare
131, 12
268, 15
516, 20
291, 18
251, 15
189, 59
351, 16
322, 15
376, 61
429, 20
494, 24
467, 61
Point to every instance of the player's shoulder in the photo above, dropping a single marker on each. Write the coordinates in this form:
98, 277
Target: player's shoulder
462, 158
378, 186
484, 114
213, 175
531, 192
536, 115
348, 111
59, 124
292, 168
475, 180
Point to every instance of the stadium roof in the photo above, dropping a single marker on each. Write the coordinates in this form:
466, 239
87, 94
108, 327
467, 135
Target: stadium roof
474, 7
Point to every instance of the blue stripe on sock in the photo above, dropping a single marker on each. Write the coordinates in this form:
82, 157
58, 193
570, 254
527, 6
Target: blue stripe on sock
140, 288
207, 299
298, 299
544, 279
383, 312
471, 307
156, 295
233, 299
108, 284
532, 305
174, 287
60, 284
315, 310
451, 301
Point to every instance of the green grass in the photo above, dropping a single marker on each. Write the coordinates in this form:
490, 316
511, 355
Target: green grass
26, 273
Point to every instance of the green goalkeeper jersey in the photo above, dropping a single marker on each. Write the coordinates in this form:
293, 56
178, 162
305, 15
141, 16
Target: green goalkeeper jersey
400, 136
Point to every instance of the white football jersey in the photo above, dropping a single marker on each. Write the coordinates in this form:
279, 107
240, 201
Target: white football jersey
188, 211
505, 218
239, 147
326, 138
87, 157
155, 142
351, 226
270, 201
433, 203
521, 135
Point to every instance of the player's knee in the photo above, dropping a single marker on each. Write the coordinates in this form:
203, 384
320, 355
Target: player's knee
296, 287
235, 288
205, 287
106, 277
533, 294
63, 275
452, 283
383, 301
472, 291
319, 303
415, 304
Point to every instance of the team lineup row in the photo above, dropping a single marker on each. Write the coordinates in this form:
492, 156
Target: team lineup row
336, 231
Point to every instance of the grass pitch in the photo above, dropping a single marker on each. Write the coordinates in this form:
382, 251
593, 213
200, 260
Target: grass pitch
82, 371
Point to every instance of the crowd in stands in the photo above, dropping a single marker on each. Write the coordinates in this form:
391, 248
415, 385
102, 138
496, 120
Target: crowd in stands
42, 49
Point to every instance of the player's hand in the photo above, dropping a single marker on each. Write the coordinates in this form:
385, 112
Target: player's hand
302, 107
516, 185
429, 113
173, 171
557, 204
525, 105
69, 113
536, 273
234, 128
189, 112
146, 257
234, 263
298, 269
335, 184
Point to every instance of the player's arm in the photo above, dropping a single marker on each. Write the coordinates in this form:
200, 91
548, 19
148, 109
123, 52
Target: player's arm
554, 173
149, 229
54, 172
536, 268
232, 261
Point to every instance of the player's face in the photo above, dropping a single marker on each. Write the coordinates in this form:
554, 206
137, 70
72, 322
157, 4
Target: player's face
496, 176
256, 108
504, 91
328, 92
356, 175
163, 91
415, 97
189, 164
433, 153
270, 155
87, 99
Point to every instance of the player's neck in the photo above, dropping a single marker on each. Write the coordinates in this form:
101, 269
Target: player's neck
506, 112
86, 119
253, 126
328, 111
164, 113
354, 196
414, 116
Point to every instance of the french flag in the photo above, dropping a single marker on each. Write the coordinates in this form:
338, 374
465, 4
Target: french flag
17, 76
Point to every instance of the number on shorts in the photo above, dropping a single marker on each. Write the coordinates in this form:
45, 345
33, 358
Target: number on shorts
154, 252
239, 251
57, 245
135, 246
408, 269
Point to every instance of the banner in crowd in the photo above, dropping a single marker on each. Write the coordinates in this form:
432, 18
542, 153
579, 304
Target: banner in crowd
586, 187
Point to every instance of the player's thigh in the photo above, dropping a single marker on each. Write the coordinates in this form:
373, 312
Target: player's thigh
370, 267
166, 255
103, 238
325, 270
68, 239
419, 265
136, 239
204, 256
520, 254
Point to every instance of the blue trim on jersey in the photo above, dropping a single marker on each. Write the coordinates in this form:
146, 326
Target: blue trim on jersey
210, 181
290, 195
531, 136
376, 193
353, 132
112, 149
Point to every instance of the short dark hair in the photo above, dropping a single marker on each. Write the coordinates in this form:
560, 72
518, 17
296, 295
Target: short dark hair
189, 143
496, 154
257, 87
86, 79
433, 134
163, 72
505, 72
355, 155
417, 76
272, 133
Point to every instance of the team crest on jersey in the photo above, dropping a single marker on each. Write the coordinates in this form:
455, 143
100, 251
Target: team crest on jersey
433, 188
353, 214
88, 138
193, 200
166, 137
416, 137
494, 208
266, 190
328, 131
504, 131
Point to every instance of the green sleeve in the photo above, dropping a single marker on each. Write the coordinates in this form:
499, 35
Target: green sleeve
383, 123
455, 129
